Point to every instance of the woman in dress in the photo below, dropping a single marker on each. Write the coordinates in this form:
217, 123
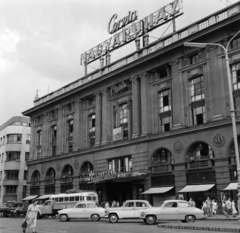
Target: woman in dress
31, 216
234, 211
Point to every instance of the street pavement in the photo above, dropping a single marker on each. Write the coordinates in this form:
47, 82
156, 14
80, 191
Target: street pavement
49, 225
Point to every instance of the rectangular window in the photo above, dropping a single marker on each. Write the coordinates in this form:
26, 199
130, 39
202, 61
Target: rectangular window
0, 175
11, 174
201, 177
25, 175
164, 98
2, 157
11, 190
236, 43
123, 113
27, 156
39, 137
3, 140
91, 123
235, 70
28, 138
54, 139
13, 155
24, 191
14, 138
123, 164
194, 59
199, 115
196, 89
70, 128
166, 124
0, 141
233, 175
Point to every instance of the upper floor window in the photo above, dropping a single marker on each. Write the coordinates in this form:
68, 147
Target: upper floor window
120, 164
236, 43
25, 175
27, 156
235, 69
11, 174
0, 141
123, 113
70, 128
164, 100
14, 138
28, 138
199, 115
91, 123
3, 140
39, 137
164, 72
13, 155
196, 89
54, 139
2, 157
0, 175
193, 59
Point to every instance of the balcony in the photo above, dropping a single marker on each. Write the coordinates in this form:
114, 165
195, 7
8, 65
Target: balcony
49, 182
35, 183
10, 181
12, 165
163, 168
66, 180
201, 163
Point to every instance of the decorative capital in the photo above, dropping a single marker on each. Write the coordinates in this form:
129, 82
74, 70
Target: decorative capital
133, 78
174, 62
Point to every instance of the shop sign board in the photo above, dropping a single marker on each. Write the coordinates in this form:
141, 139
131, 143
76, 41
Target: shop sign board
134, 30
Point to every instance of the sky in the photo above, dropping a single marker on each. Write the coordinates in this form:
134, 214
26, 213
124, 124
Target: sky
41, 41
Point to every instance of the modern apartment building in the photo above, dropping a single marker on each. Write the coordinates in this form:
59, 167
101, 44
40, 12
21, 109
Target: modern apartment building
15, 137
154, 124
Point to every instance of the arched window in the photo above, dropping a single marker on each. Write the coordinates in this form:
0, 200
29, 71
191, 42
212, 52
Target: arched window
36, 176
162, 156
86, 169
67, 171
50, 174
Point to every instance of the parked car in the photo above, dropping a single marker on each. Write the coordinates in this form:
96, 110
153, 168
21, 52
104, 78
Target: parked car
171, 210
82, 210
4, 207
17, 209
129, 210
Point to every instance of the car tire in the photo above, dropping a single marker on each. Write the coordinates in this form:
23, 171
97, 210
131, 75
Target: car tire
190, 218
150, 219
113, 218
95, 217
63, 218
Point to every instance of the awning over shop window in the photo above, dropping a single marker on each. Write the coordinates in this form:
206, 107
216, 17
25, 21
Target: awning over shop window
44, 196
158, 190
29, 198
231, 186
196, 188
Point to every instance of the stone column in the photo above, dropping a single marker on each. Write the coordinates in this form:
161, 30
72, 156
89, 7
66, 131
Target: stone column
145, 104
33, 140
81, 132
129, 106
98, 120
136, 114
106, 118
45, 140
76, 125
59, 142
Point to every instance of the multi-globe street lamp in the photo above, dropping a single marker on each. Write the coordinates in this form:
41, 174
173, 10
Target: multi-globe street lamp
232, 109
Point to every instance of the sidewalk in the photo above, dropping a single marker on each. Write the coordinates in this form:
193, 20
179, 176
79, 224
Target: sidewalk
219, 223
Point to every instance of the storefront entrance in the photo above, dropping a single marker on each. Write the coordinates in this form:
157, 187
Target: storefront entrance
118, 191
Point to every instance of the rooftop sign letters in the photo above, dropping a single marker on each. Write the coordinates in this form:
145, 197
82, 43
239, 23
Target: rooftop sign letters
134, 30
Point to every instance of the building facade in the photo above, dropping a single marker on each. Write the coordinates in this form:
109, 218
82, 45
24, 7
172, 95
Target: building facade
154, 125
15, 137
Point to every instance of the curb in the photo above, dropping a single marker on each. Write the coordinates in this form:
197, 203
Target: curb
200, 228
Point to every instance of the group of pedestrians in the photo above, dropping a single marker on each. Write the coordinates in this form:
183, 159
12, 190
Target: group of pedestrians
210, 207
229, 208
112, 204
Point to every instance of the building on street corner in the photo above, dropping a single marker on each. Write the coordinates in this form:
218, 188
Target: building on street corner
153, 125
15, 137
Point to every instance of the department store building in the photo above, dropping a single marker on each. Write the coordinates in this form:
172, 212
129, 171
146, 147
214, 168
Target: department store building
153, 125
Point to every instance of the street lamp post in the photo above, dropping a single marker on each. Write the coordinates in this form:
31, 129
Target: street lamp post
232, 109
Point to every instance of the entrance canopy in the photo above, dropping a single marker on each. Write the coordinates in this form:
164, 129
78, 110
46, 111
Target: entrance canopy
196, 188
29, 198
231, 186
44, 196
158, 190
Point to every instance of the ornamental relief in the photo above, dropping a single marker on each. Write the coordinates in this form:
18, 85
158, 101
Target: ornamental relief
219, 140
178, 147
58, 167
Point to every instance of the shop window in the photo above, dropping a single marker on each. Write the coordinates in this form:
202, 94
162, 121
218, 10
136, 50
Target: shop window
54, 139
201, 177
123, 164
13, 156
14, 138
157, 181
11, 190
11, 174
24, 192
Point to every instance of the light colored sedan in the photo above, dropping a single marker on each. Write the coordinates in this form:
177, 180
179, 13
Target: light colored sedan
82, 210
171, 210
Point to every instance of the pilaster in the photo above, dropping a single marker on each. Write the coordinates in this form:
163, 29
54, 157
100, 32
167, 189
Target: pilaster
81, 131
32, 142
60, 131
98, 126
45, 140
136, 109
76, 123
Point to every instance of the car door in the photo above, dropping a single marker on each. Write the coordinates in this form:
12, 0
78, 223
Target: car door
140, 205
170, 211
91, 209
184, 208
79, 211
128, 210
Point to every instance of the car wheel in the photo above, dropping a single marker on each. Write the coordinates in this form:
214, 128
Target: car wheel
113, 218
95, 217
150, 219
190, 218
63, 218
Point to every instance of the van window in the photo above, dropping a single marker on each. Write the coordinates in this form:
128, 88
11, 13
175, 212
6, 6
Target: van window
81, 198
94, 198
76, 198
61, 199
71, 199
65, 198
88, 198
56, 199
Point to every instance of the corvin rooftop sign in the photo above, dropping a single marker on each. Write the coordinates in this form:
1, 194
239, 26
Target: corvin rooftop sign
134, 30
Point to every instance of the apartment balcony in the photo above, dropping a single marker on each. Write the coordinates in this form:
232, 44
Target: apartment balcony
13, 147
10, 181
9, 197
162, 168
201, 163
12, 165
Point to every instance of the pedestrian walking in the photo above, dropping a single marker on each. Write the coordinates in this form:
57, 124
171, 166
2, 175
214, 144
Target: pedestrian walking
228, 207
224, 209
31, 216
234, 211
214, 208
191, 202
208, 203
